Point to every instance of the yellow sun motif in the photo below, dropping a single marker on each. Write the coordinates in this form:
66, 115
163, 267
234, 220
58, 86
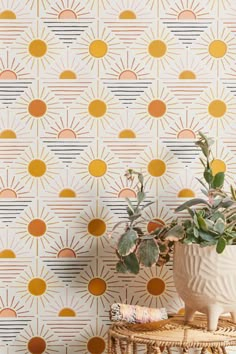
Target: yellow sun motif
67, 308
187, 67
37, 285
157, 106
98, 48
127, 10
37, 168
96, 169
184, 10
67, 67
154, 287
36, 227
69, 11
156, 48
98, 107
11, 127
93, 339
157, 166
94, 226
10, 247
216, 50
38, 48
65, 187
217, 108
37, 109
96, 285
11, 10
185, 186
38, 340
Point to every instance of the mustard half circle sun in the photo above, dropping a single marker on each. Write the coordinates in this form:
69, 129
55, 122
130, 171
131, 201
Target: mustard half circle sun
7, 134
127, 15
7, 15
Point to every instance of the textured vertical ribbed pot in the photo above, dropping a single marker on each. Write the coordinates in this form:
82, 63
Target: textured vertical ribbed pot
206, 281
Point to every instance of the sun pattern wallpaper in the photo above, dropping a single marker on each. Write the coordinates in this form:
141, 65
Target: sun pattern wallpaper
89, 88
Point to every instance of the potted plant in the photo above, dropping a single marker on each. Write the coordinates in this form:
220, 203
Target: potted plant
203, 244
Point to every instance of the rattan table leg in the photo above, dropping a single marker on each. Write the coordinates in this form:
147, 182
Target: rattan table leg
114, 343
109, 343
123, 347
152, 349
204, 350
134, 348
224, 350
185, 350
214, 350
168, 350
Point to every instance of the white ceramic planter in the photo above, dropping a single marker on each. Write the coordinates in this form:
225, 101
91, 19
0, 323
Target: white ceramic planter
206, 281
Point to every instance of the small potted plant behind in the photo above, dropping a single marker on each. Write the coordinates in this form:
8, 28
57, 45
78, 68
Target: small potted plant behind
204, 244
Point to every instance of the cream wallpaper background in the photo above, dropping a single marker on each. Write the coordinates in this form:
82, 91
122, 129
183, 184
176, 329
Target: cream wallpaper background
87, 89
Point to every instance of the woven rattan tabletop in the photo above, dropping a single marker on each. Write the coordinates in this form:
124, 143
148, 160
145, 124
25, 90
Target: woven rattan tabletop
175, 333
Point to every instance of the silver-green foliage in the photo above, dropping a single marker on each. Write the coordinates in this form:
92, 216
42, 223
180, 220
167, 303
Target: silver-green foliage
212, 220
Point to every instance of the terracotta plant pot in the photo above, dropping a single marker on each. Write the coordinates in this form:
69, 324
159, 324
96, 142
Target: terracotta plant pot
206, 281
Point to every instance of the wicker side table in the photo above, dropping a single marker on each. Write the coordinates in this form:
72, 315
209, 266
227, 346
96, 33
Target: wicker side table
125, 338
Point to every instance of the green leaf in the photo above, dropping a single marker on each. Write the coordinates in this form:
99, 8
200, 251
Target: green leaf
191, 203
141, 196
195, 232
187, 223
210, 224
147, 237
220, 245
127, 242
217, 215
134, 217
207, 237
227, 202
129, 211
176, 231
121, 267
191, 213
233, 192
203, 136
140, 178
218, 180
219, 226
217, 202
195, 220
148, 253
202, 223
130, 205
204, 192
132, 264
208, 175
